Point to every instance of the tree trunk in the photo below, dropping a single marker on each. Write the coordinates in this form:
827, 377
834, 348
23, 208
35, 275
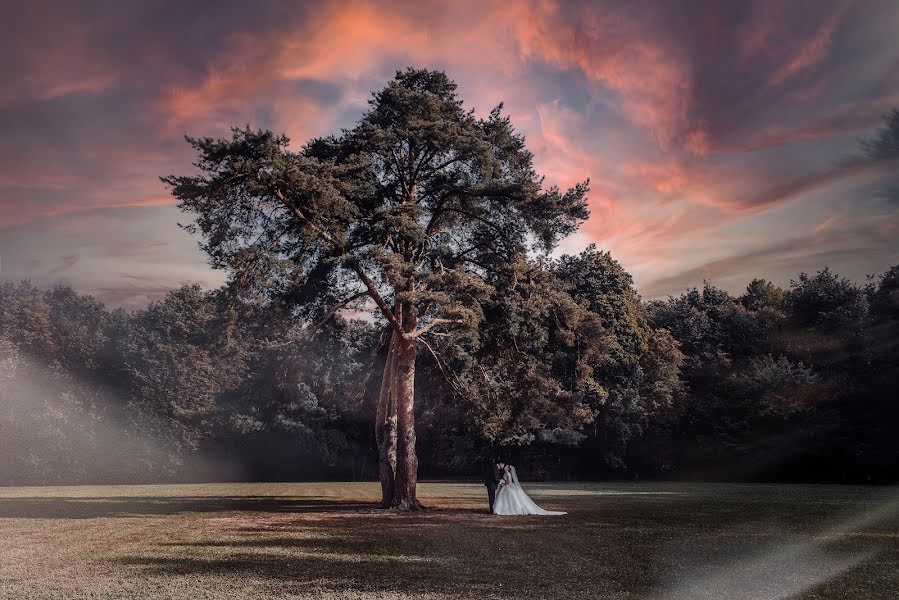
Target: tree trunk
406, 474
385, 426
395, 422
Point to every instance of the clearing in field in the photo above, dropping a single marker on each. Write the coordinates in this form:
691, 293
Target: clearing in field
672, 541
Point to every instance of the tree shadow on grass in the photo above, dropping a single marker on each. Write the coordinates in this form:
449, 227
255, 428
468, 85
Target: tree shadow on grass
363, 555
362, 552
455, 553
130, 506
331, 571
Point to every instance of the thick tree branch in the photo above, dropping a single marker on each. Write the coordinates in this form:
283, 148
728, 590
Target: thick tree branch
399, 173
433, 323
425, 158
493, 226
443, 165
305, 221
435, 215
354, 265
379, 300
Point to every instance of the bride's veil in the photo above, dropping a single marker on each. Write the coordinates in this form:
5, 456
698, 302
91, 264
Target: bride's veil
514, 474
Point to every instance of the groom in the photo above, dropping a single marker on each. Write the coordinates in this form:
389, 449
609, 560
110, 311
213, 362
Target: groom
493, 479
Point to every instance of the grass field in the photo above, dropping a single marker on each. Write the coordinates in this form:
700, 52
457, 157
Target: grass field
677, 541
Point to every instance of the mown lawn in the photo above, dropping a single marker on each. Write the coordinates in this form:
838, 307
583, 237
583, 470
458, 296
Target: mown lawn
678, 541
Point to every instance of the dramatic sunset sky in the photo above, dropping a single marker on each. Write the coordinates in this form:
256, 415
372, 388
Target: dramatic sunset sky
718, 135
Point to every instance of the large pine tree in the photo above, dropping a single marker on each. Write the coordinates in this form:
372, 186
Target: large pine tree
412, 214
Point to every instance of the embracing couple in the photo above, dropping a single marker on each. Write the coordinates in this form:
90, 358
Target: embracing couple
506, 495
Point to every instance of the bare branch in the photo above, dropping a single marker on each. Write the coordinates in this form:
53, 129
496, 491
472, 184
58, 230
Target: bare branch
330, 313
305, 221
443, 370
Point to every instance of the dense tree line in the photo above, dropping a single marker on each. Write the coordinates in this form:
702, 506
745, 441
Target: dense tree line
796, 384
432, 228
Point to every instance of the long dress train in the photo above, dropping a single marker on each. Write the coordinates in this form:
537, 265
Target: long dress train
511, 499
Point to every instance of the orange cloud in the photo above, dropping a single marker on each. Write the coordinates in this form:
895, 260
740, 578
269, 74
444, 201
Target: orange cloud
812, 51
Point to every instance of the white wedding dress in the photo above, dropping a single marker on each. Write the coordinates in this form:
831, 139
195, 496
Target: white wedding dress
512, 500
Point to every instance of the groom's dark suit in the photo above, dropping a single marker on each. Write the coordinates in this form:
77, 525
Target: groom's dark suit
492, 477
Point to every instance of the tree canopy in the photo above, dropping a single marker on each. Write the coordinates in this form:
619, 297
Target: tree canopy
420, 212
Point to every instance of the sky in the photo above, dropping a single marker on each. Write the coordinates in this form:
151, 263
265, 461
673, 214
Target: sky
721, 138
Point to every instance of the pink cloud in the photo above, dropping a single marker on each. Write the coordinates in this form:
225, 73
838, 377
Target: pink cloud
652, 81
812, 51
32, 213
678, 119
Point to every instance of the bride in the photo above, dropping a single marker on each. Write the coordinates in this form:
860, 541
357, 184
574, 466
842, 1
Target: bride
512, 500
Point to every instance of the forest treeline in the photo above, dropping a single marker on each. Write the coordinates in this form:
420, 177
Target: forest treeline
796, 384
